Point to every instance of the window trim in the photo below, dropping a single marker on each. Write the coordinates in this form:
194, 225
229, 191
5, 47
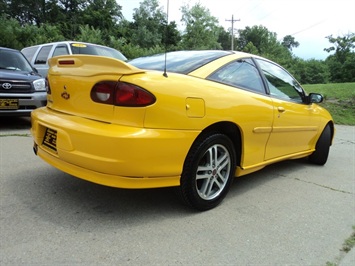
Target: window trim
265, 80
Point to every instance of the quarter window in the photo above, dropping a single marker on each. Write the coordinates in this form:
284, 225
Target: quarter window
280, 83
241, 73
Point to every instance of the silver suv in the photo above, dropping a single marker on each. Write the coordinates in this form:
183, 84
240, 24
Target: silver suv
38, 55
22, 89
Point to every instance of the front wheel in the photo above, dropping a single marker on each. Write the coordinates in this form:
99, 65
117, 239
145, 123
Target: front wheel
320, 155
208, 171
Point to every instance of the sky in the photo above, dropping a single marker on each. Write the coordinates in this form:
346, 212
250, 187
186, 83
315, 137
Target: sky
308, 21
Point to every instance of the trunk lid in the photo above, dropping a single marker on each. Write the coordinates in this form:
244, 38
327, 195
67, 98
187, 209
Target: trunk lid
72, 77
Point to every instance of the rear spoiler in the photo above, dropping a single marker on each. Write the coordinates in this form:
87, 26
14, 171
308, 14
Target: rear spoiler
89, 65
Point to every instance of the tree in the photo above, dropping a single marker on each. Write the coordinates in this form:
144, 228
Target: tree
342, 62
27, 11
289, 42
311, 71
224, 38
201, 30
102, 15
149, 24
259, 36
171, 36
259, 40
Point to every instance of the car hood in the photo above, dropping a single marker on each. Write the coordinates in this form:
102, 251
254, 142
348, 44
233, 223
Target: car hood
18, 75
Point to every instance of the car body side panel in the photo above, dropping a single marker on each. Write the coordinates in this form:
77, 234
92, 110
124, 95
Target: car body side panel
253, 113
296, 128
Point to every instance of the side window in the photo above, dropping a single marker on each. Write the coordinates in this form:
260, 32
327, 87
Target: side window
29, 52
281, 84
60, 50
43, 55
241, 73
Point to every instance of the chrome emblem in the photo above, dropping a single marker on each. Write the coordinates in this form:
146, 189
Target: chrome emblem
64, 94
6, 86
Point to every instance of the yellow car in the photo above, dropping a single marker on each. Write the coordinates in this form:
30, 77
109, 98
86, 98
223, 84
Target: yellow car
190, 119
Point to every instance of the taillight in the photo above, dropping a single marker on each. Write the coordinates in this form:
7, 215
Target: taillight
121, 94
103, 92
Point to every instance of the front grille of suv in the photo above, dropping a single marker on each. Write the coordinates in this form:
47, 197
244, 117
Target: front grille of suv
16, 87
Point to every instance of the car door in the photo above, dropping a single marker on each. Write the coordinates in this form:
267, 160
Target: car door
253, 111
294, 125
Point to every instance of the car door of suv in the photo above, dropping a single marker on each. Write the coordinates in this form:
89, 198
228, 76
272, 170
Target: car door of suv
295, 126
41, 60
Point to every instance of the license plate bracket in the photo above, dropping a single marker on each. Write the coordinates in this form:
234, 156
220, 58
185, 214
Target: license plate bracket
50, 139
9, 104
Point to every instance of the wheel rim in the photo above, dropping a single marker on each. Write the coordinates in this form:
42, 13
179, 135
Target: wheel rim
213, 172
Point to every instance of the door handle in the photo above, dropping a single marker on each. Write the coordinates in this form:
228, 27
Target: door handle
281, 109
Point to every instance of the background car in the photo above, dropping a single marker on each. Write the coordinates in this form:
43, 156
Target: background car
22, 89
190, 119
38, 55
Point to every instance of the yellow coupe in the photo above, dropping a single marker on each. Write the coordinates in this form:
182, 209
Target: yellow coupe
190, 119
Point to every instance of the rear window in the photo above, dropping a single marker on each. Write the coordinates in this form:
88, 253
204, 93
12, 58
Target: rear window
83, 48
182, 62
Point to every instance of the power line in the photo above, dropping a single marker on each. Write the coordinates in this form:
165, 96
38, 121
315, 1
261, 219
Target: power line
232, 31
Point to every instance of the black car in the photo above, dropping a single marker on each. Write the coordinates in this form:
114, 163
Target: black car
22, 89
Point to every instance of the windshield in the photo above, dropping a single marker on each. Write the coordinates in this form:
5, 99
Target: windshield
14, 61
179, 62
83, 48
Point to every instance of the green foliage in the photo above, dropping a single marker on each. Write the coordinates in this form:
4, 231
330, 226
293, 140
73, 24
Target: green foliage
201, 30
13, 35
224, 38
90, 34
311, 71
289, 42
133, 51
339, 100
259, 40
27, 22
342, 62
149, 24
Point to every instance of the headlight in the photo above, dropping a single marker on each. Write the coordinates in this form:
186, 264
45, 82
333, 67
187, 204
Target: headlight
39, 85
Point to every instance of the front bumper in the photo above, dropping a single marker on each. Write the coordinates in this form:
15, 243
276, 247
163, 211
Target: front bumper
112, 155
27, 103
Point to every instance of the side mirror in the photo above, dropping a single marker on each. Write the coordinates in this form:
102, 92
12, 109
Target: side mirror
315, 98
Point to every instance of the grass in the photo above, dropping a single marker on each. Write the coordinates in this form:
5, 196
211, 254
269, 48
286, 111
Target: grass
348, 244
339, 100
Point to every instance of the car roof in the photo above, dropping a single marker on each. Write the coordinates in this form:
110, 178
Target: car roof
66, 42
182, 62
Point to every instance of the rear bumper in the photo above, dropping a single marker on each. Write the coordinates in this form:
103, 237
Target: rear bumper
112, 155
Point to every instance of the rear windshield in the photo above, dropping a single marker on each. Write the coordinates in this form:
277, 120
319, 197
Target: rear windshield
81, 48
182, 62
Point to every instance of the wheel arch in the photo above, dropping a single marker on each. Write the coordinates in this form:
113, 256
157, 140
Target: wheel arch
232, 131
332, 130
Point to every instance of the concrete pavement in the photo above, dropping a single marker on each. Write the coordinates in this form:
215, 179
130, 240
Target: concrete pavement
291, 213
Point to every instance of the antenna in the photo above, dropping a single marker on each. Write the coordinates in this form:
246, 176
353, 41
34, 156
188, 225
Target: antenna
166, 37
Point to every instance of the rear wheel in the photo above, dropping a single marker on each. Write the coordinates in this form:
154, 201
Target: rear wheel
320, 155
208, 171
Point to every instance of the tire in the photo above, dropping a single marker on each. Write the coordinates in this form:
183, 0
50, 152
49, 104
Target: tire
208, 172
320, 155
